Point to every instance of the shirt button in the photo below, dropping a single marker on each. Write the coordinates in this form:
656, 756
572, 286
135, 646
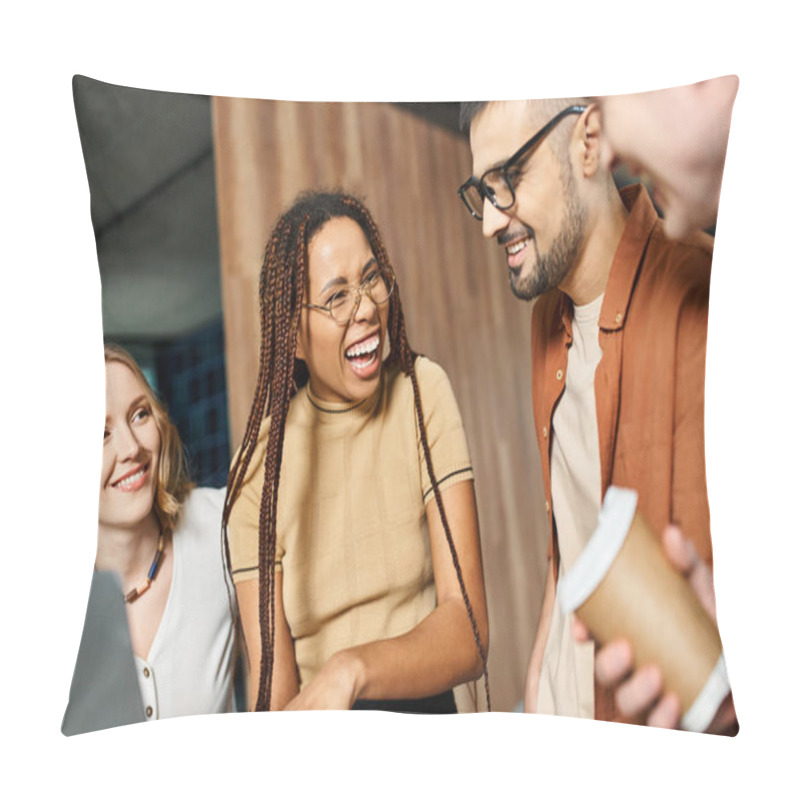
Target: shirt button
146, 672
559, 375
149, 711
544, 432
547, 506
619, 317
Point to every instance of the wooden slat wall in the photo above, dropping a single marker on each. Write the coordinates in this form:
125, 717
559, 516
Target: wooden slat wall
459, 310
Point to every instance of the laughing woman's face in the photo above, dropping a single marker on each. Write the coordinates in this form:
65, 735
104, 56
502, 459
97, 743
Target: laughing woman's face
344, 360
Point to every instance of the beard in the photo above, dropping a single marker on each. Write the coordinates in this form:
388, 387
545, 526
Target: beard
553, 266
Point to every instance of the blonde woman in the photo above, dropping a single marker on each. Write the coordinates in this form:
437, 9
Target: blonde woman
162, 537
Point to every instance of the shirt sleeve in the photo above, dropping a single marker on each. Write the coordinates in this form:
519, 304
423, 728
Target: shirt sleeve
444, 430
243, 522
689, 490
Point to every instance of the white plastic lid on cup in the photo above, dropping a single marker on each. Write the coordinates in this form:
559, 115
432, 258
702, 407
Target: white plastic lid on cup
613, 523
707, 703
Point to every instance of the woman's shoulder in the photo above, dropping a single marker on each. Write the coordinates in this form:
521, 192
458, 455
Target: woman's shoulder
206, 498
435, 390
202, 509
432, 379
198, 543
259, 450
298, 411
428, 373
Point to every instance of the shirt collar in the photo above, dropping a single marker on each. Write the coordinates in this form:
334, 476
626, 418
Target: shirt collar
642, 218
333, 412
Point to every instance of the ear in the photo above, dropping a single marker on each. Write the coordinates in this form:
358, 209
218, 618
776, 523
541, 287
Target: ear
590, 129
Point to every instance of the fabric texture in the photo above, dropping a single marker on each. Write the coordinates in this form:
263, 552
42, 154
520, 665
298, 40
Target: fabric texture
575, 454
105, 689
189, 669
444, 703
649, 384
566, 685
352, 537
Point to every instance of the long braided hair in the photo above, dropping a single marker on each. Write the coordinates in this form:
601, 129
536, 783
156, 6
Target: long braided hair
282, 285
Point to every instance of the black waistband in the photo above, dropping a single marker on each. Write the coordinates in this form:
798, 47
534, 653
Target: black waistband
443, 703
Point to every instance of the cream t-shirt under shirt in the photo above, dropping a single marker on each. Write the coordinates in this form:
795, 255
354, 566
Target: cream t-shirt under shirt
352, 537
566, 685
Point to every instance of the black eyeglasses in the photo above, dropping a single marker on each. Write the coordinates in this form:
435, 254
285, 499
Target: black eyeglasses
497, 184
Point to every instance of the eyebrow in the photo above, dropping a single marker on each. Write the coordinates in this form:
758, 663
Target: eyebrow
341, 281
503, 161
496, 165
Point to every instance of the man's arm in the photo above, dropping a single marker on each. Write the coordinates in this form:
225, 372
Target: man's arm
689, 509
688, 548
539, 643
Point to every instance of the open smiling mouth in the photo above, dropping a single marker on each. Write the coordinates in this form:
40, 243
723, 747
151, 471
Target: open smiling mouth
516, 252
133, 480
363, 354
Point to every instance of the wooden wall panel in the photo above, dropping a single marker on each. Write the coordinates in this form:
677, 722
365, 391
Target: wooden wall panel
459, 310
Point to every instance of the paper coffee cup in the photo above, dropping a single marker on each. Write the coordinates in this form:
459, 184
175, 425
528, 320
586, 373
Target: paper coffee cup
623, 586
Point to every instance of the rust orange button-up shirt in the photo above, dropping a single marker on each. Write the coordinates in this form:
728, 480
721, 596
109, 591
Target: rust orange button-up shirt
649, 384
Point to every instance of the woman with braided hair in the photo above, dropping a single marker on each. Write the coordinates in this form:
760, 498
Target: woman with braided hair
351, 518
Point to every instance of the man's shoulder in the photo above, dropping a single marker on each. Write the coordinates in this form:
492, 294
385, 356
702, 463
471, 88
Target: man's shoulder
684, 263
673, 281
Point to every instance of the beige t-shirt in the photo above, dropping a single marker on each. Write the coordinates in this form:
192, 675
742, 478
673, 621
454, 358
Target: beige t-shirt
566, 685
352, 537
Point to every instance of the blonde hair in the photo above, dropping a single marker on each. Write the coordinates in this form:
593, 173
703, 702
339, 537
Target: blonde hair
173, 483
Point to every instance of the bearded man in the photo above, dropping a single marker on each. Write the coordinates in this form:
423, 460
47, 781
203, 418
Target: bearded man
618, 354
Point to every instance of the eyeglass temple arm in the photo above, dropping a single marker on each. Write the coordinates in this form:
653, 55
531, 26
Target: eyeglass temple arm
544, 131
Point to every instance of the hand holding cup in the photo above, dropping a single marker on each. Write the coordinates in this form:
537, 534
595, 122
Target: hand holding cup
638, 603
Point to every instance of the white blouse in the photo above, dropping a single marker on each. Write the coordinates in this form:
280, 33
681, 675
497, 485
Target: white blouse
189, 669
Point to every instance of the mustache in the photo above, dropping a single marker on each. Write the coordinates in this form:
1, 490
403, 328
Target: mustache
506, 237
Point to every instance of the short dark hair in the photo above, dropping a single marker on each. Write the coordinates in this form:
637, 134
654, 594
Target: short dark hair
541, 111
468, 111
